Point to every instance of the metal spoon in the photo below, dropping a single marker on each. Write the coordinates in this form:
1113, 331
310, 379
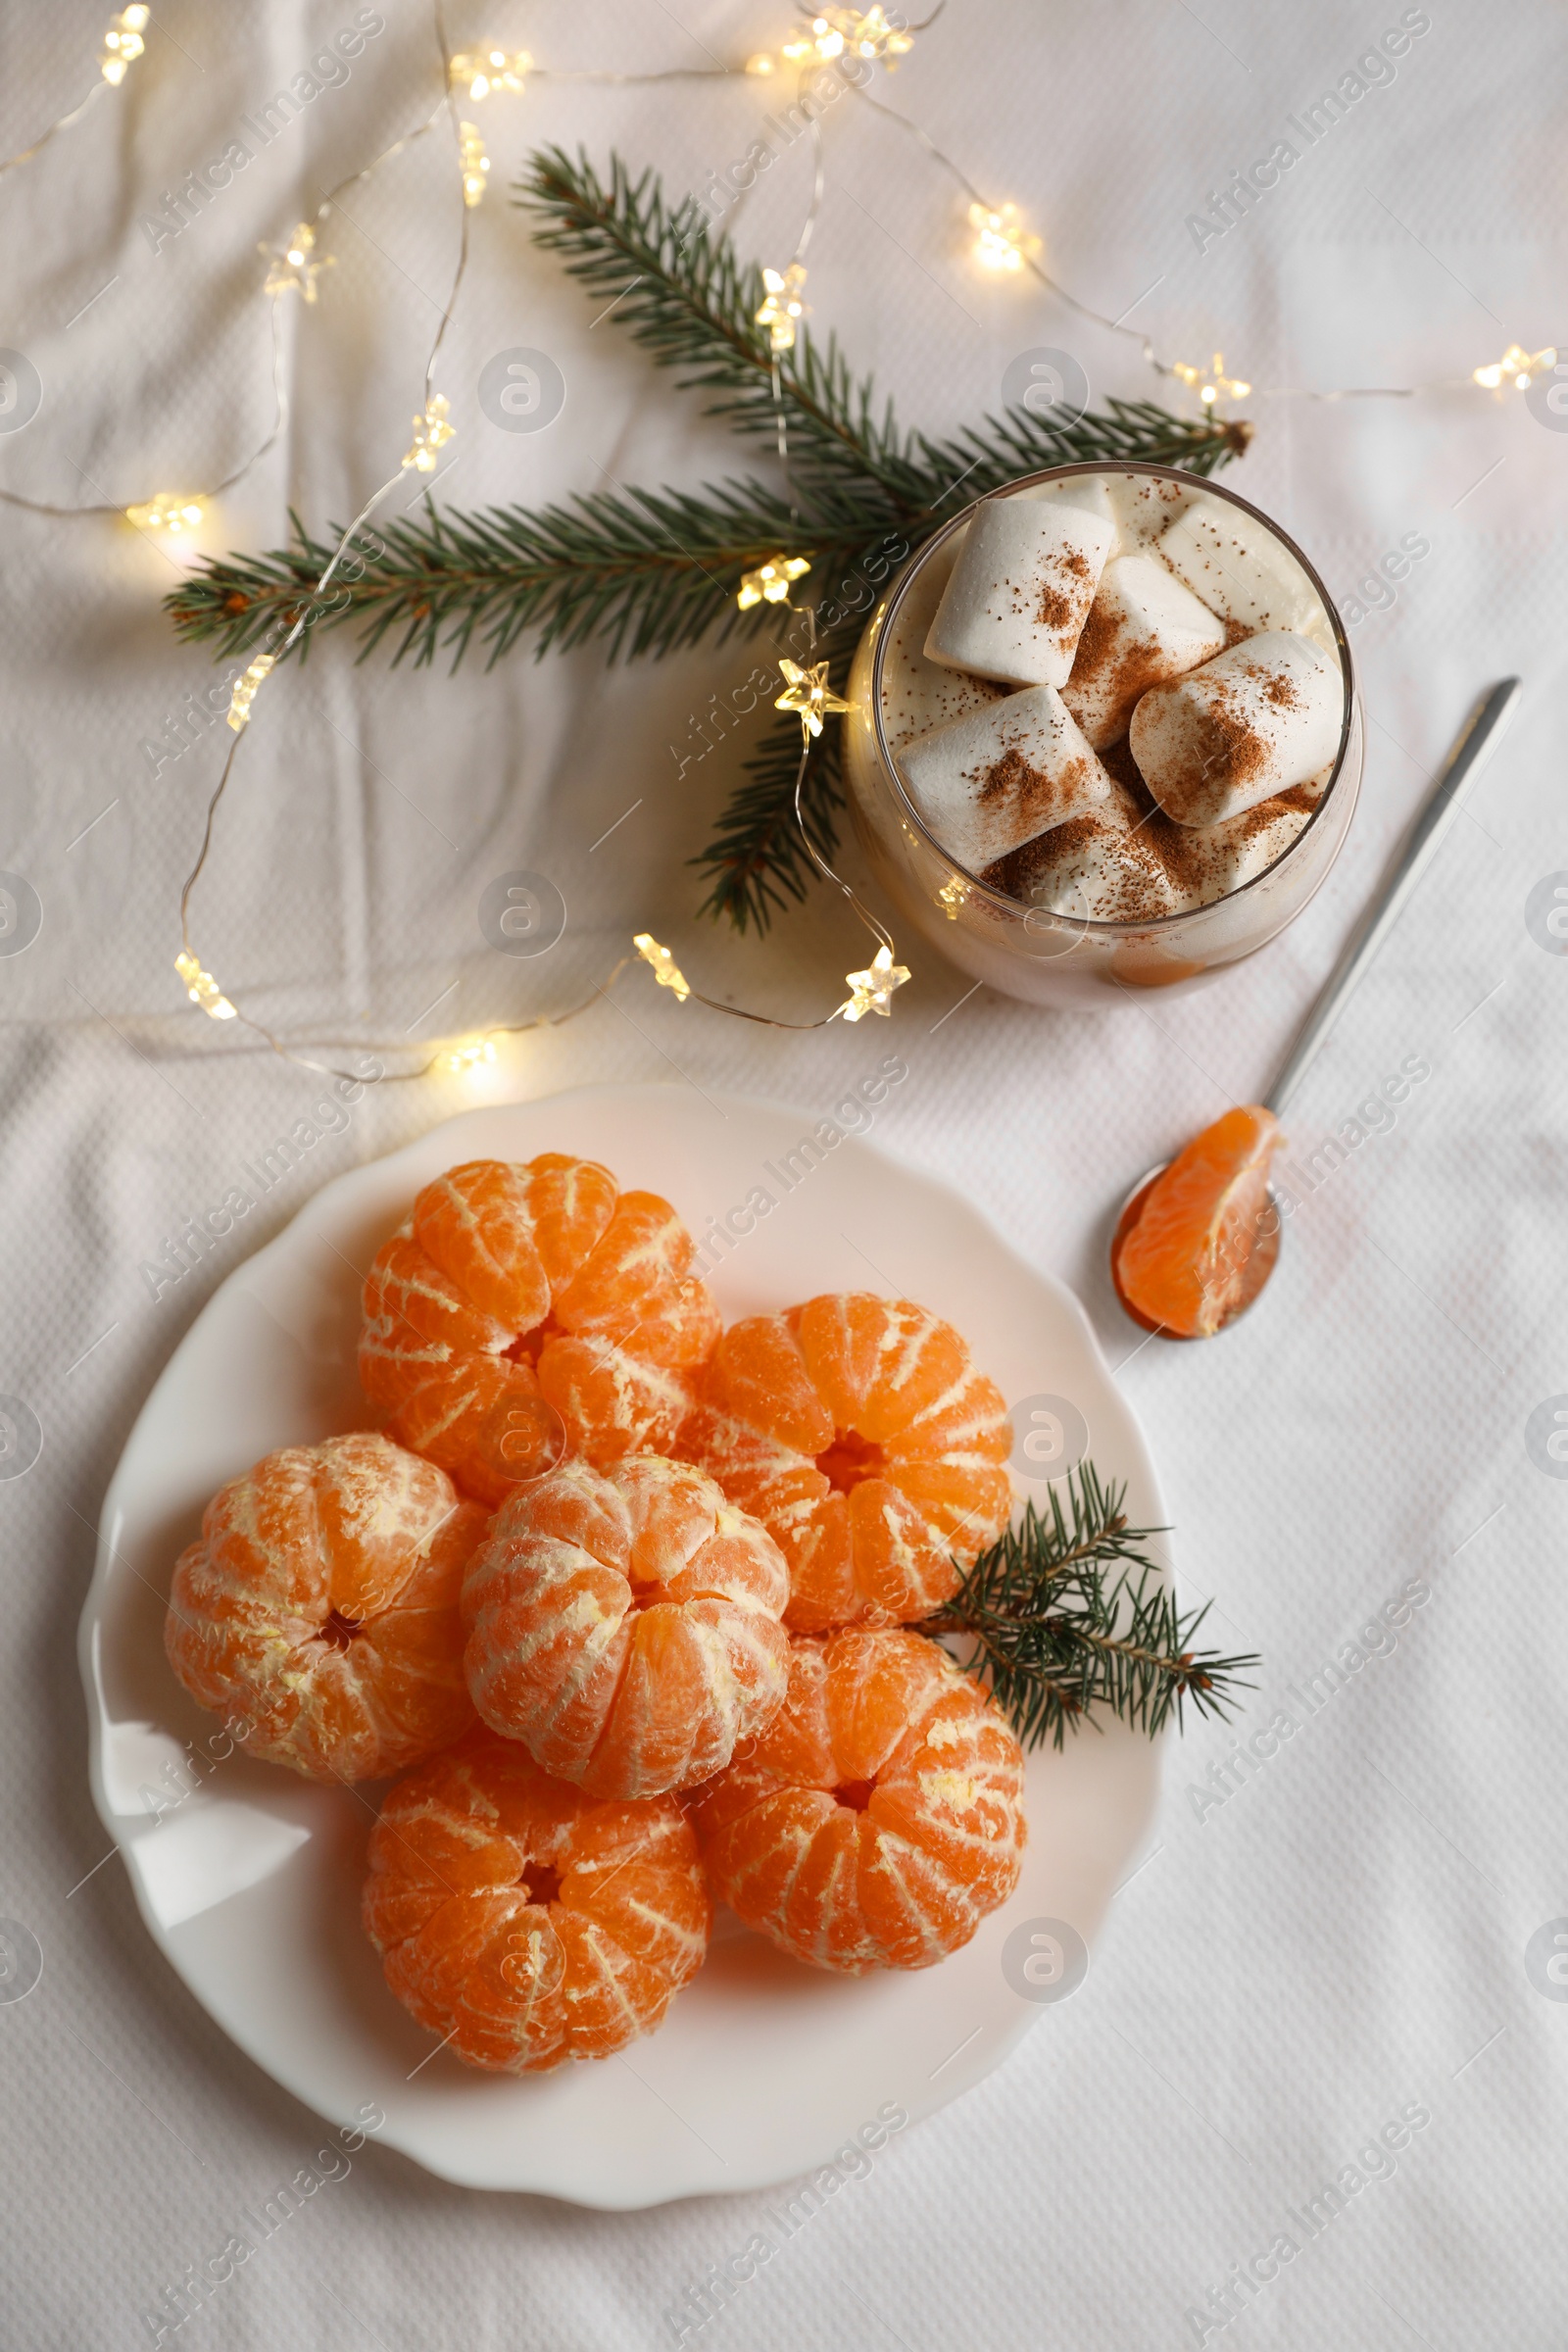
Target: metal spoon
1469, 755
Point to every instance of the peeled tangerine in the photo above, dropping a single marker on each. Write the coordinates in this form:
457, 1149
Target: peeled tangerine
860, 1433
1185, 1263
529, 1310
879, 1816
322, 1606
625, 1626
527, 1922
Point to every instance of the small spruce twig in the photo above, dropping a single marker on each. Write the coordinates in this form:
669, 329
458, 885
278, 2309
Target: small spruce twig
1067, 1612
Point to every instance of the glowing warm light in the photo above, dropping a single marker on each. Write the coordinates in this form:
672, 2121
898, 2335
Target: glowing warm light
1002, 241
432, 432
244, 694
122, 43
760, 64
1523, 366
202, 989
864, 31
292, 268
168, 512
873, 988
465, 1059
666, 970
952, 896
783, 305
1211, 383
770, 582
475, 164
808, 692
487, 70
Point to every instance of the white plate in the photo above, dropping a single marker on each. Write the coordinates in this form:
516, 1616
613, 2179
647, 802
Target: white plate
251, 1883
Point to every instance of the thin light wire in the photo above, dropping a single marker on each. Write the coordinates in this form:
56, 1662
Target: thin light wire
37, 506
303, 617
63, 123
883, 937
818, 182
1164, 367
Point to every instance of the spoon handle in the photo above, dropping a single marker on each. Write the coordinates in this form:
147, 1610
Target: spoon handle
1441, 807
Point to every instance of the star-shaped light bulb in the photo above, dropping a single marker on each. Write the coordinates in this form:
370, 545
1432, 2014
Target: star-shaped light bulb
783, 305
485, 70
432, 432
771, 581
244, 693
807, 692
666, 970
1211, 383
169, 512
201, 988
1002, 241
865, 32
475, 164
465, 1060
1520, 365
874, 987
293, 268
122, 42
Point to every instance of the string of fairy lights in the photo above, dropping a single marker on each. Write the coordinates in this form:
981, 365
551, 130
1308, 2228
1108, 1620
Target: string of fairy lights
1004, 243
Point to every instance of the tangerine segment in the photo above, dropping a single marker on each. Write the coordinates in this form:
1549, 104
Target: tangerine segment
525, 1310
1184, 1263
879, 1816
858, 1430
526, 1921
624, 1626
321, 1607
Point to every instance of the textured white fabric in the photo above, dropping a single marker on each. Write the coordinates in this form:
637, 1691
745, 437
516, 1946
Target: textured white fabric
1344, 1936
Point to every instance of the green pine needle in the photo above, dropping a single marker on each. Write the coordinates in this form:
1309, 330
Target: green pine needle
1068, 1613
644, 573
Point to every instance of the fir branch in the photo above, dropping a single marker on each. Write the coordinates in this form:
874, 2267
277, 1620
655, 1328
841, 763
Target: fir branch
647, 573
685, 296
1067, 1612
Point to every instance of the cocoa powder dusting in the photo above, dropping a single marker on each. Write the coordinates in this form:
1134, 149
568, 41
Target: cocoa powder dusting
1226, 748
1123, 673
1058, 607
1029, 789
1096, 647
1131, 891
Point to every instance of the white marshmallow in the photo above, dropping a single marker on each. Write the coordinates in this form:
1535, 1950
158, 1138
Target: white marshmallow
1257, 719
1123, 867
1143, 627
990, 781
1142, 507
1237, 567
917, 695
1089, 492
1248, 845
1020, 590
1104, 868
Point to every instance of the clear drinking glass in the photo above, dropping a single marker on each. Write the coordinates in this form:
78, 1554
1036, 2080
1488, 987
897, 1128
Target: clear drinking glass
1030, 952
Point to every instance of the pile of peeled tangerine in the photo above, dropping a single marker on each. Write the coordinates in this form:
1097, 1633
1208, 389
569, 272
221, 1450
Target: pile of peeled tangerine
1199, 1237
